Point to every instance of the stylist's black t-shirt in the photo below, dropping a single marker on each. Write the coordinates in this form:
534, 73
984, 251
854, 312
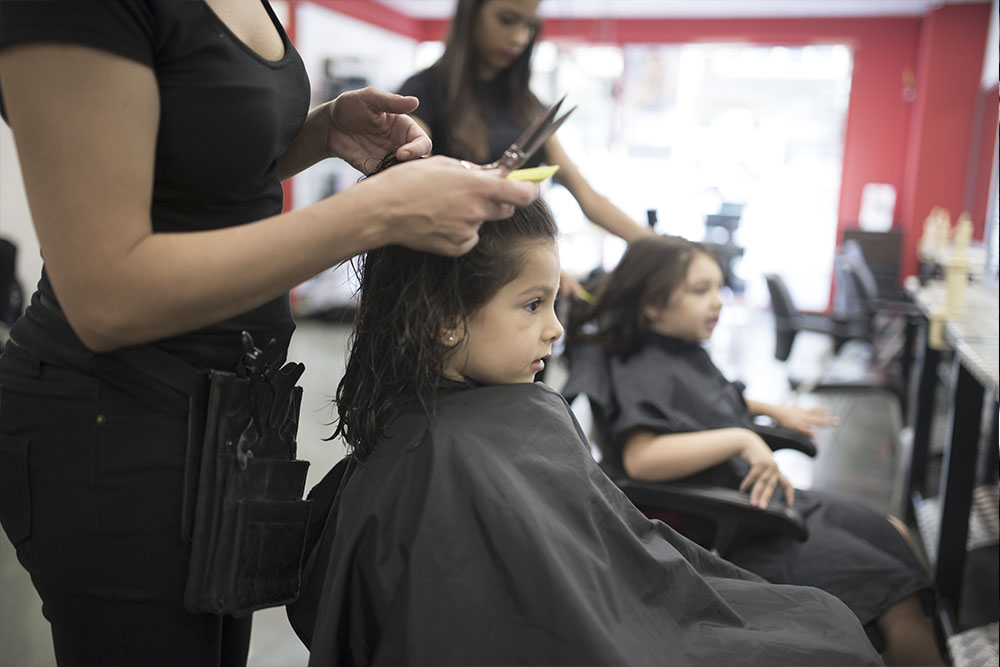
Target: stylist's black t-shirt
226, 115
493, 103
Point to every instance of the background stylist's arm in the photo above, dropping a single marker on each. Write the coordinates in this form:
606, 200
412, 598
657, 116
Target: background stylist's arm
595, 206
88, 173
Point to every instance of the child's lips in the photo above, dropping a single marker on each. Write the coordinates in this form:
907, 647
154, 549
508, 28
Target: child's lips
539, 364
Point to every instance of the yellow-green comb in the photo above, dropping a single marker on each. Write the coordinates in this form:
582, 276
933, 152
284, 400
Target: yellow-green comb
535, 174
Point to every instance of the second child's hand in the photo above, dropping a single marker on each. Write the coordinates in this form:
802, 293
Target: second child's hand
804, 420
764, 476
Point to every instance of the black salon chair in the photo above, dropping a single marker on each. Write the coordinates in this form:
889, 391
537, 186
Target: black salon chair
720, 233
727, 512
789, 321
11, 294
881, 313
867, 370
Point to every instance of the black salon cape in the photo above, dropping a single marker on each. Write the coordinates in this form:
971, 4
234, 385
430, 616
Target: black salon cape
672, 386
490, 537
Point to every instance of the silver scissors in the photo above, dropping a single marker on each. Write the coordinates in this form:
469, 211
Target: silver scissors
533, 138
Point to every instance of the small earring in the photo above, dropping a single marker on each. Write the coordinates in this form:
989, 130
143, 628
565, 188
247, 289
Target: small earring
451, 339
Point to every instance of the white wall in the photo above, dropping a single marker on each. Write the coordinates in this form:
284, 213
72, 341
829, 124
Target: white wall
991, 62
354, 48
15, 219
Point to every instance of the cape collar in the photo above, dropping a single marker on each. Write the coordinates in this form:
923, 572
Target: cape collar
672, 344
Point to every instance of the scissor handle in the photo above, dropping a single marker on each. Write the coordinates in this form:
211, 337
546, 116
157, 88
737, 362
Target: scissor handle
509, 161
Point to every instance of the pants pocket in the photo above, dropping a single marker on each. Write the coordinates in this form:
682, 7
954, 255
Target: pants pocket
15, 493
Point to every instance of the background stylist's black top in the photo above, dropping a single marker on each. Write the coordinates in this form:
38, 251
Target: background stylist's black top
226, 115
493, 104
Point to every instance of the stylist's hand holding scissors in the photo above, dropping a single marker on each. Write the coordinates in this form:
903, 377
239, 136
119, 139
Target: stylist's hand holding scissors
437, 204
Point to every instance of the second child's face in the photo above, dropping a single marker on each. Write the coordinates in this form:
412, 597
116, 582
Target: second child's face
692, 311
503, 30
508, 340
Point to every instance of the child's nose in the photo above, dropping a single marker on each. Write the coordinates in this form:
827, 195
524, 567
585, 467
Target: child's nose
553, 329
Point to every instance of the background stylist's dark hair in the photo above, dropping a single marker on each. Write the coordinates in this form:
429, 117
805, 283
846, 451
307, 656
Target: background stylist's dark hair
407, 299
458, 66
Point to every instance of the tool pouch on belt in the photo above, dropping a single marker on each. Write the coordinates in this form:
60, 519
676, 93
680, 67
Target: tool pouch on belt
243, 509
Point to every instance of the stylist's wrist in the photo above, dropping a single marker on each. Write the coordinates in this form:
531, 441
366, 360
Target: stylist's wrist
382, 213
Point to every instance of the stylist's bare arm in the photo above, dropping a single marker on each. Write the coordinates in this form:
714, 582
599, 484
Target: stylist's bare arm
88, 172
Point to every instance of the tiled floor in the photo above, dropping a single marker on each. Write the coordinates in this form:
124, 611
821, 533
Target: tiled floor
742, 347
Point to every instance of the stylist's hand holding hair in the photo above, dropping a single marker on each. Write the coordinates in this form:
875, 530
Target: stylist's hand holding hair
444, 220
360, 127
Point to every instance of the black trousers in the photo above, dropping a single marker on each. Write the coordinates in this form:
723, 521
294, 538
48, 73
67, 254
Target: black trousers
91, 479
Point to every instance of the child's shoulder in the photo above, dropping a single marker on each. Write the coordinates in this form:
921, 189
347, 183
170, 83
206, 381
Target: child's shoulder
479, 423
501, 413
500, 403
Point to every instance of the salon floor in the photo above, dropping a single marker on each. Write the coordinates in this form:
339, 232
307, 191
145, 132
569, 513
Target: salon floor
863, 460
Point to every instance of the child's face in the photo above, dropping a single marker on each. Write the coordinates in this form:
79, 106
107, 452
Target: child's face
509, 338
692, 311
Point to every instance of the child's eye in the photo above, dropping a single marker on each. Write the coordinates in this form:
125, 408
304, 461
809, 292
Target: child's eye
533, 306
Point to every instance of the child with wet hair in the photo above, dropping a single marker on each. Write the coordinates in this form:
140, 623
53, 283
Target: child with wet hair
469, 523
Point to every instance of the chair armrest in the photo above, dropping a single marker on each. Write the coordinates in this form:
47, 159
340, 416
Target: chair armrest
783, 438
896, 307
735, 520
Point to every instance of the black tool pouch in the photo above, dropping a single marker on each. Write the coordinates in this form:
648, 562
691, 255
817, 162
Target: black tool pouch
243, 509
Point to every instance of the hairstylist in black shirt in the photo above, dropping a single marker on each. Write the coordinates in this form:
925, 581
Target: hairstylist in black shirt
153, 136
475, 100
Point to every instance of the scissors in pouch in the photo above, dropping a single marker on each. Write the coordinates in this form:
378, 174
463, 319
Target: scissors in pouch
533, 138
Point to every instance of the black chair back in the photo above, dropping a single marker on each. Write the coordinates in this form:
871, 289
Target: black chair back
786, 316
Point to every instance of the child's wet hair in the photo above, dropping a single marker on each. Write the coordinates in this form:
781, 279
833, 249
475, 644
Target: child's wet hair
650, 271
407, 299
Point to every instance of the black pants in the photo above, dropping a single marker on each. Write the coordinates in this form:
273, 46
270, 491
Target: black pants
90, 496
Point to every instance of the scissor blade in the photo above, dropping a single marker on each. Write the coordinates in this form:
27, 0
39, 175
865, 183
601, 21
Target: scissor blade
543, 136
538, 123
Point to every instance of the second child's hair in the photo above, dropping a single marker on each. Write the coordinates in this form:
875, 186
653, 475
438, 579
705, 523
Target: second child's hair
458, 67
407, 300
650, 271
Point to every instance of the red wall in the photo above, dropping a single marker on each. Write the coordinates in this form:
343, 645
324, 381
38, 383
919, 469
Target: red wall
921, 147
986, 130
952, 46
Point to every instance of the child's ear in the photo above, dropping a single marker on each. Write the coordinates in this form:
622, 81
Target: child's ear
452, 335
651, 311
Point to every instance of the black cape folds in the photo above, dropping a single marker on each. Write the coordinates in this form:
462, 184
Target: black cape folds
489, 536
672, 386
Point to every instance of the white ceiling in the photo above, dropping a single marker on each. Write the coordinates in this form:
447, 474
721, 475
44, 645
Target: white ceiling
438, 9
